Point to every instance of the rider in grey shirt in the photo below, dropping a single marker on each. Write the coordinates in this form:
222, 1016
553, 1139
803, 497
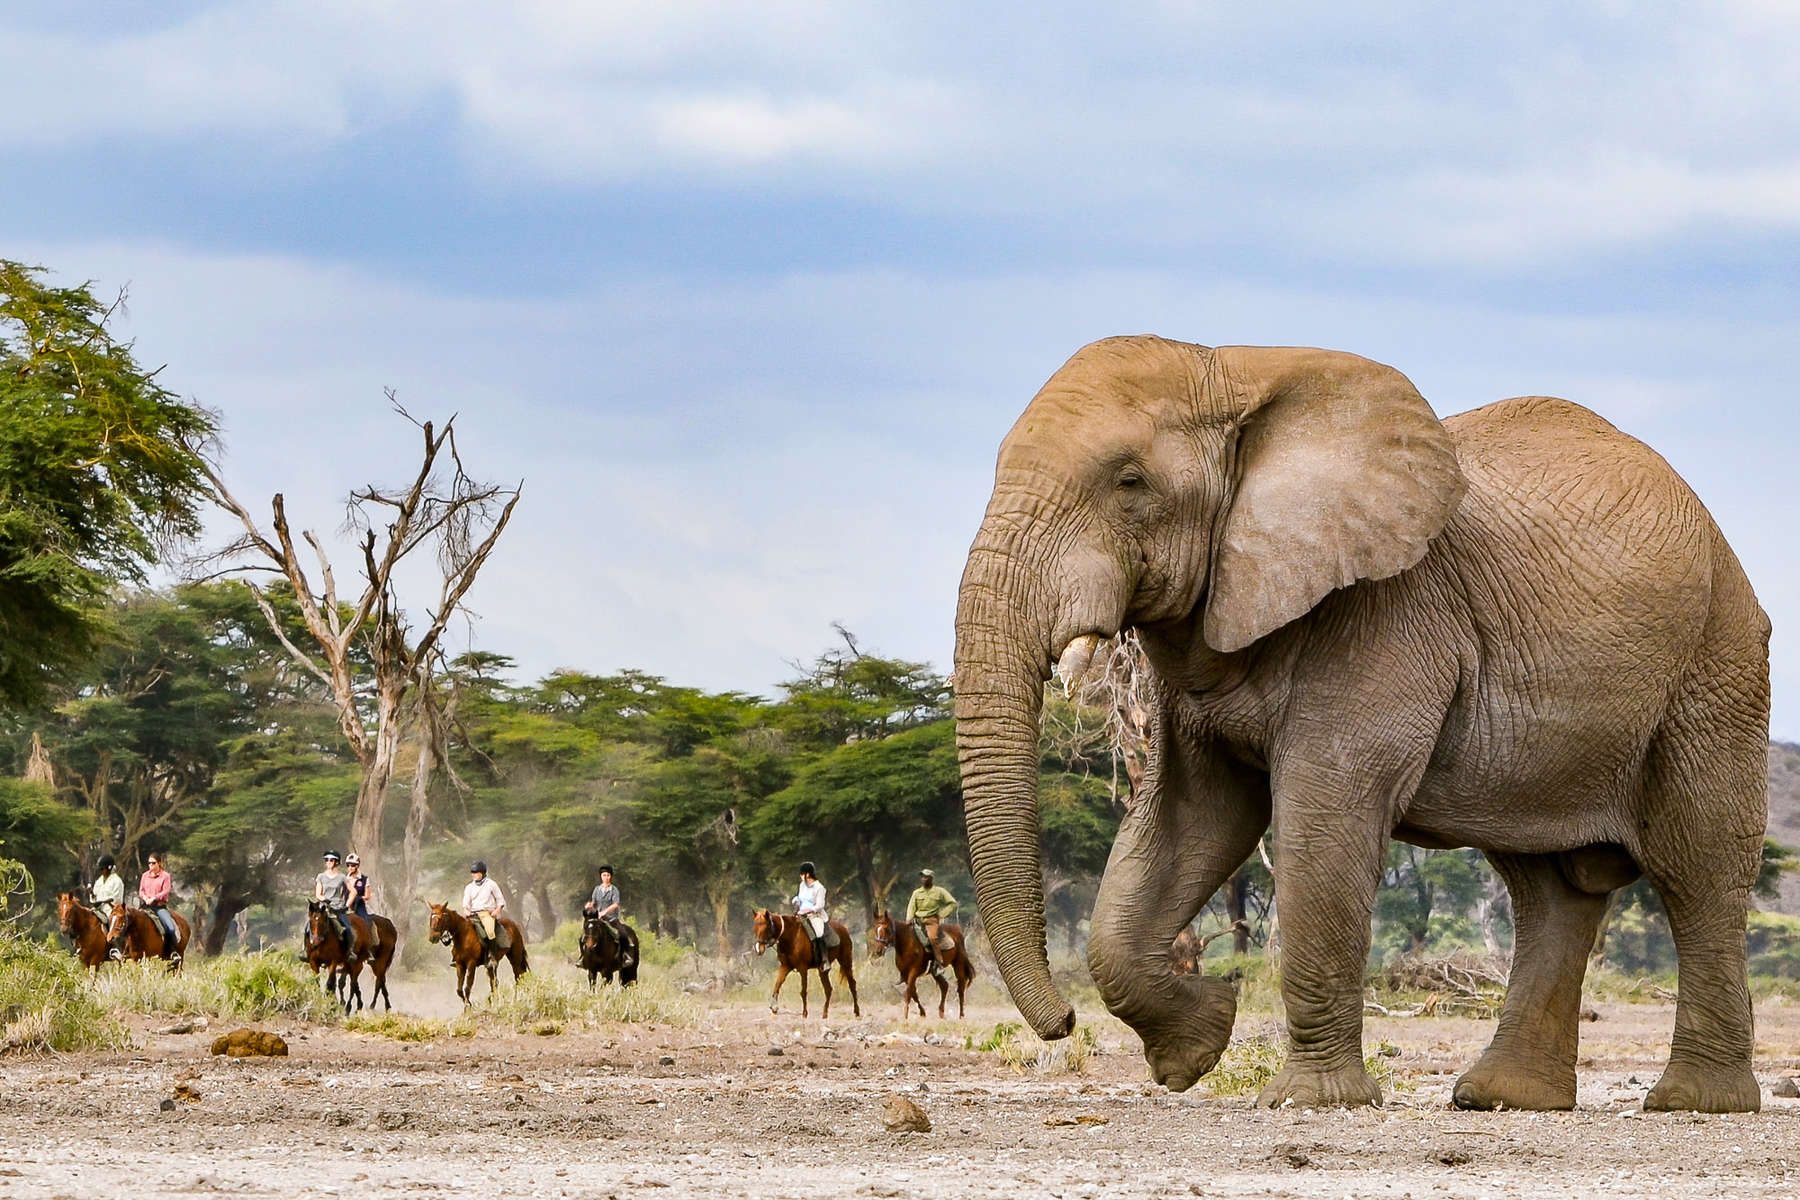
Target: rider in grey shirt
604, 903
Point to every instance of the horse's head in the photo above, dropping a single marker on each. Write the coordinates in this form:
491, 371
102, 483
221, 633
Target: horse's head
67, 905
316, 933
881, 934
768, 929
595, 933
440, 924
118, 929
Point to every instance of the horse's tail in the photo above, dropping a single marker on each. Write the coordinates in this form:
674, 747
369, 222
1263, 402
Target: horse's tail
524, 959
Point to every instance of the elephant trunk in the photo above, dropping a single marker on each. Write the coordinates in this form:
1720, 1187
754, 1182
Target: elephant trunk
1003, 633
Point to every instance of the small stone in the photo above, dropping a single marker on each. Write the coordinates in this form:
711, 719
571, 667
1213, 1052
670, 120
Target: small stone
776, 1052
667, 1060
1786, 1089
187, 1092
167, 1105
1590, 1014
903, 1116
250, 1043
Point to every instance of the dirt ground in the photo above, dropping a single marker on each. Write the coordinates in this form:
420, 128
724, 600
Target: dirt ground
743, 1104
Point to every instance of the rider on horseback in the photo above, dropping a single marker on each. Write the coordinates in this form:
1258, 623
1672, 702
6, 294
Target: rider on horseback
604, 903
107, 891
333, 887
155, 886
809, 902
358, 884
483, 903
925, 912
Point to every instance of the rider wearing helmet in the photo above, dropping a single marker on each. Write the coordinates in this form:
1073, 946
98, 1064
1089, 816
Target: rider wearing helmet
107, 891
333, 887
605, 904
809, 902
482, 902
359, 886
926, 910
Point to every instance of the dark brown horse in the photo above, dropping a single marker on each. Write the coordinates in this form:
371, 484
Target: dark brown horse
605, 949
794, 952
913, 961
82, 926
468, 952
373, 943
133, 933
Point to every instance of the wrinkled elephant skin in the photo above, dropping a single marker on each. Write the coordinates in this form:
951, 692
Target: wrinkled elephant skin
1516, 629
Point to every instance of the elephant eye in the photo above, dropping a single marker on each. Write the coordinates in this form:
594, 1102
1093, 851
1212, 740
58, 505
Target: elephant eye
1131, 480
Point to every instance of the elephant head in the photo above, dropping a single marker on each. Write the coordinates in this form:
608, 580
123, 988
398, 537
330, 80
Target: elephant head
1152, 481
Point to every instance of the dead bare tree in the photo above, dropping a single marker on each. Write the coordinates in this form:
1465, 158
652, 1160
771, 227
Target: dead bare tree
459, 518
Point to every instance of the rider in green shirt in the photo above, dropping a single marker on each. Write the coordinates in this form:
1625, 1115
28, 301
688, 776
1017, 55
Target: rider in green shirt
925, 912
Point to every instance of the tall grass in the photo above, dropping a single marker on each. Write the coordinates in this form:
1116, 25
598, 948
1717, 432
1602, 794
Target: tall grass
45, 1003
249, 987
546, 1004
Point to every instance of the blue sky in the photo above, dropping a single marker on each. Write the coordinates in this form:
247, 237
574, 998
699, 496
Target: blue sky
747, 295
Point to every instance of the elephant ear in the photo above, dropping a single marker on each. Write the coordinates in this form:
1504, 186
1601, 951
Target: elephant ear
1342, 473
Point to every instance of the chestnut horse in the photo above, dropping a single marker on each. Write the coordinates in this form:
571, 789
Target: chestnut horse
794, 952
133, 933
911, 958
467, 951
82, 926
374, 942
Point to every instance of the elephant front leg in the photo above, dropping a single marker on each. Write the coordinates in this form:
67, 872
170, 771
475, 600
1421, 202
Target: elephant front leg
1331, 829
1196, 818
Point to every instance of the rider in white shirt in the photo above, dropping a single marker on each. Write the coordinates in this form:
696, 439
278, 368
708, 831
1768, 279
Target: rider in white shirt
482, 901
809, 902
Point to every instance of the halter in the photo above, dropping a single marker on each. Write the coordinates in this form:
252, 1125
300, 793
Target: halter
779, 920
875, 934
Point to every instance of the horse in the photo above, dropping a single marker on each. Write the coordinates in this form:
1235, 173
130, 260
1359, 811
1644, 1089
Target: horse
374, 943
603, 946
911, 958
133, 933
82, 926
467, 952
794, 952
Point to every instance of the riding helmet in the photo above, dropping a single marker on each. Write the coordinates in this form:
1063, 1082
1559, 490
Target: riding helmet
605, 869
351, 860
331, 856
106, 862
478, 865
806, 868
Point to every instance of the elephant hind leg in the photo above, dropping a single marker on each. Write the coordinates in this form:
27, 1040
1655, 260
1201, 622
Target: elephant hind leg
1701, 838
1530, 1064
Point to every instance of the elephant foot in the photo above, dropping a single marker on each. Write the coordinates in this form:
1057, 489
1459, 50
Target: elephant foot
1499, 1081
1306, 1085
1703, 1087
1181, 1050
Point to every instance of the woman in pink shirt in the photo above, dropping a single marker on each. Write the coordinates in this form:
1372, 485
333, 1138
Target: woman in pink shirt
155, 887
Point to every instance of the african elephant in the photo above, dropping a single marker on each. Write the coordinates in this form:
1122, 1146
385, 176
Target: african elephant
1516, 629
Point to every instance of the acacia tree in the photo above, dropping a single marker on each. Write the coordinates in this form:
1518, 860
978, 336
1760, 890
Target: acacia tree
459, 518
99, 465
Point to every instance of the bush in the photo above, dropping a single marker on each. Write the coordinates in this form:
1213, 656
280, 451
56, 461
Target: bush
410, 1029
252, 987
539, 1001
1022, 1050
46, 1005
1773, 940
1248, 1065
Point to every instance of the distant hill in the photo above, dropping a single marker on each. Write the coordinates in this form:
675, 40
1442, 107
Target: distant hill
1784, 814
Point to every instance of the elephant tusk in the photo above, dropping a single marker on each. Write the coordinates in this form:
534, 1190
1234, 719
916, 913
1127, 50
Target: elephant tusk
1076, 658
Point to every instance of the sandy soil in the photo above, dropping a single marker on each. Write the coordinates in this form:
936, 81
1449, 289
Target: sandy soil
714, 1110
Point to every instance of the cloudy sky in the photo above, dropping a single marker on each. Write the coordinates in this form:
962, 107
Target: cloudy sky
748, 294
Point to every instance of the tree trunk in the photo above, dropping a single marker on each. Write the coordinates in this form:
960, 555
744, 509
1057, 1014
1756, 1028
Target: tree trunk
417, 814
545, 910
230, 902
1237, 895
371, 792
865, 871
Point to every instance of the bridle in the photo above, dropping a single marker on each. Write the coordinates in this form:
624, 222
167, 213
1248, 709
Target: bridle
875, 934
779, 922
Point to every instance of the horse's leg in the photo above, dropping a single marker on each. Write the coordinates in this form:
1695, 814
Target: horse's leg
849, 973
963, 975
781, 974
803, 973
943, 994
825, 982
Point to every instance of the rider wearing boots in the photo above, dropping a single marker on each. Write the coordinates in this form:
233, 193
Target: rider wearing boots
605, 904
483, 904
926, 911
333, 887
155, 887
809, 902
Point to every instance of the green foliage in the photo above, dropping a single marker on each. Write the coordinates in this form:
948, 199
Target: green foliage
547, 1004
251, 987
1022, 1050
45, 1003
1424, 897
1247, 1066
98, 464
1773, 942
37, 831
401, 1028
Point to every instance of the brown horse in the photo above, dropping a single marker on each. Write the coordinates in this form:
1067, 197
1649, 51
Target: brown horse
912, 960
133, 933
373, 943
82, 926
468, 952
794, 952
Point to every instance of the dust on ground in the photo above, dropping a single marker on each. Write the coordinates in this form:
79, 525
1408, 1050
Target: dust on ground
744, 1104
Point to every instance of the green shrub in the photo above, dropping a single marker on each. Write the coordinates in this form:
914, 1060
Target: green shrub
45, 1003
251, 987
542, 999
410, 1029
1773, 942
1248, 1065
1022, 1050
